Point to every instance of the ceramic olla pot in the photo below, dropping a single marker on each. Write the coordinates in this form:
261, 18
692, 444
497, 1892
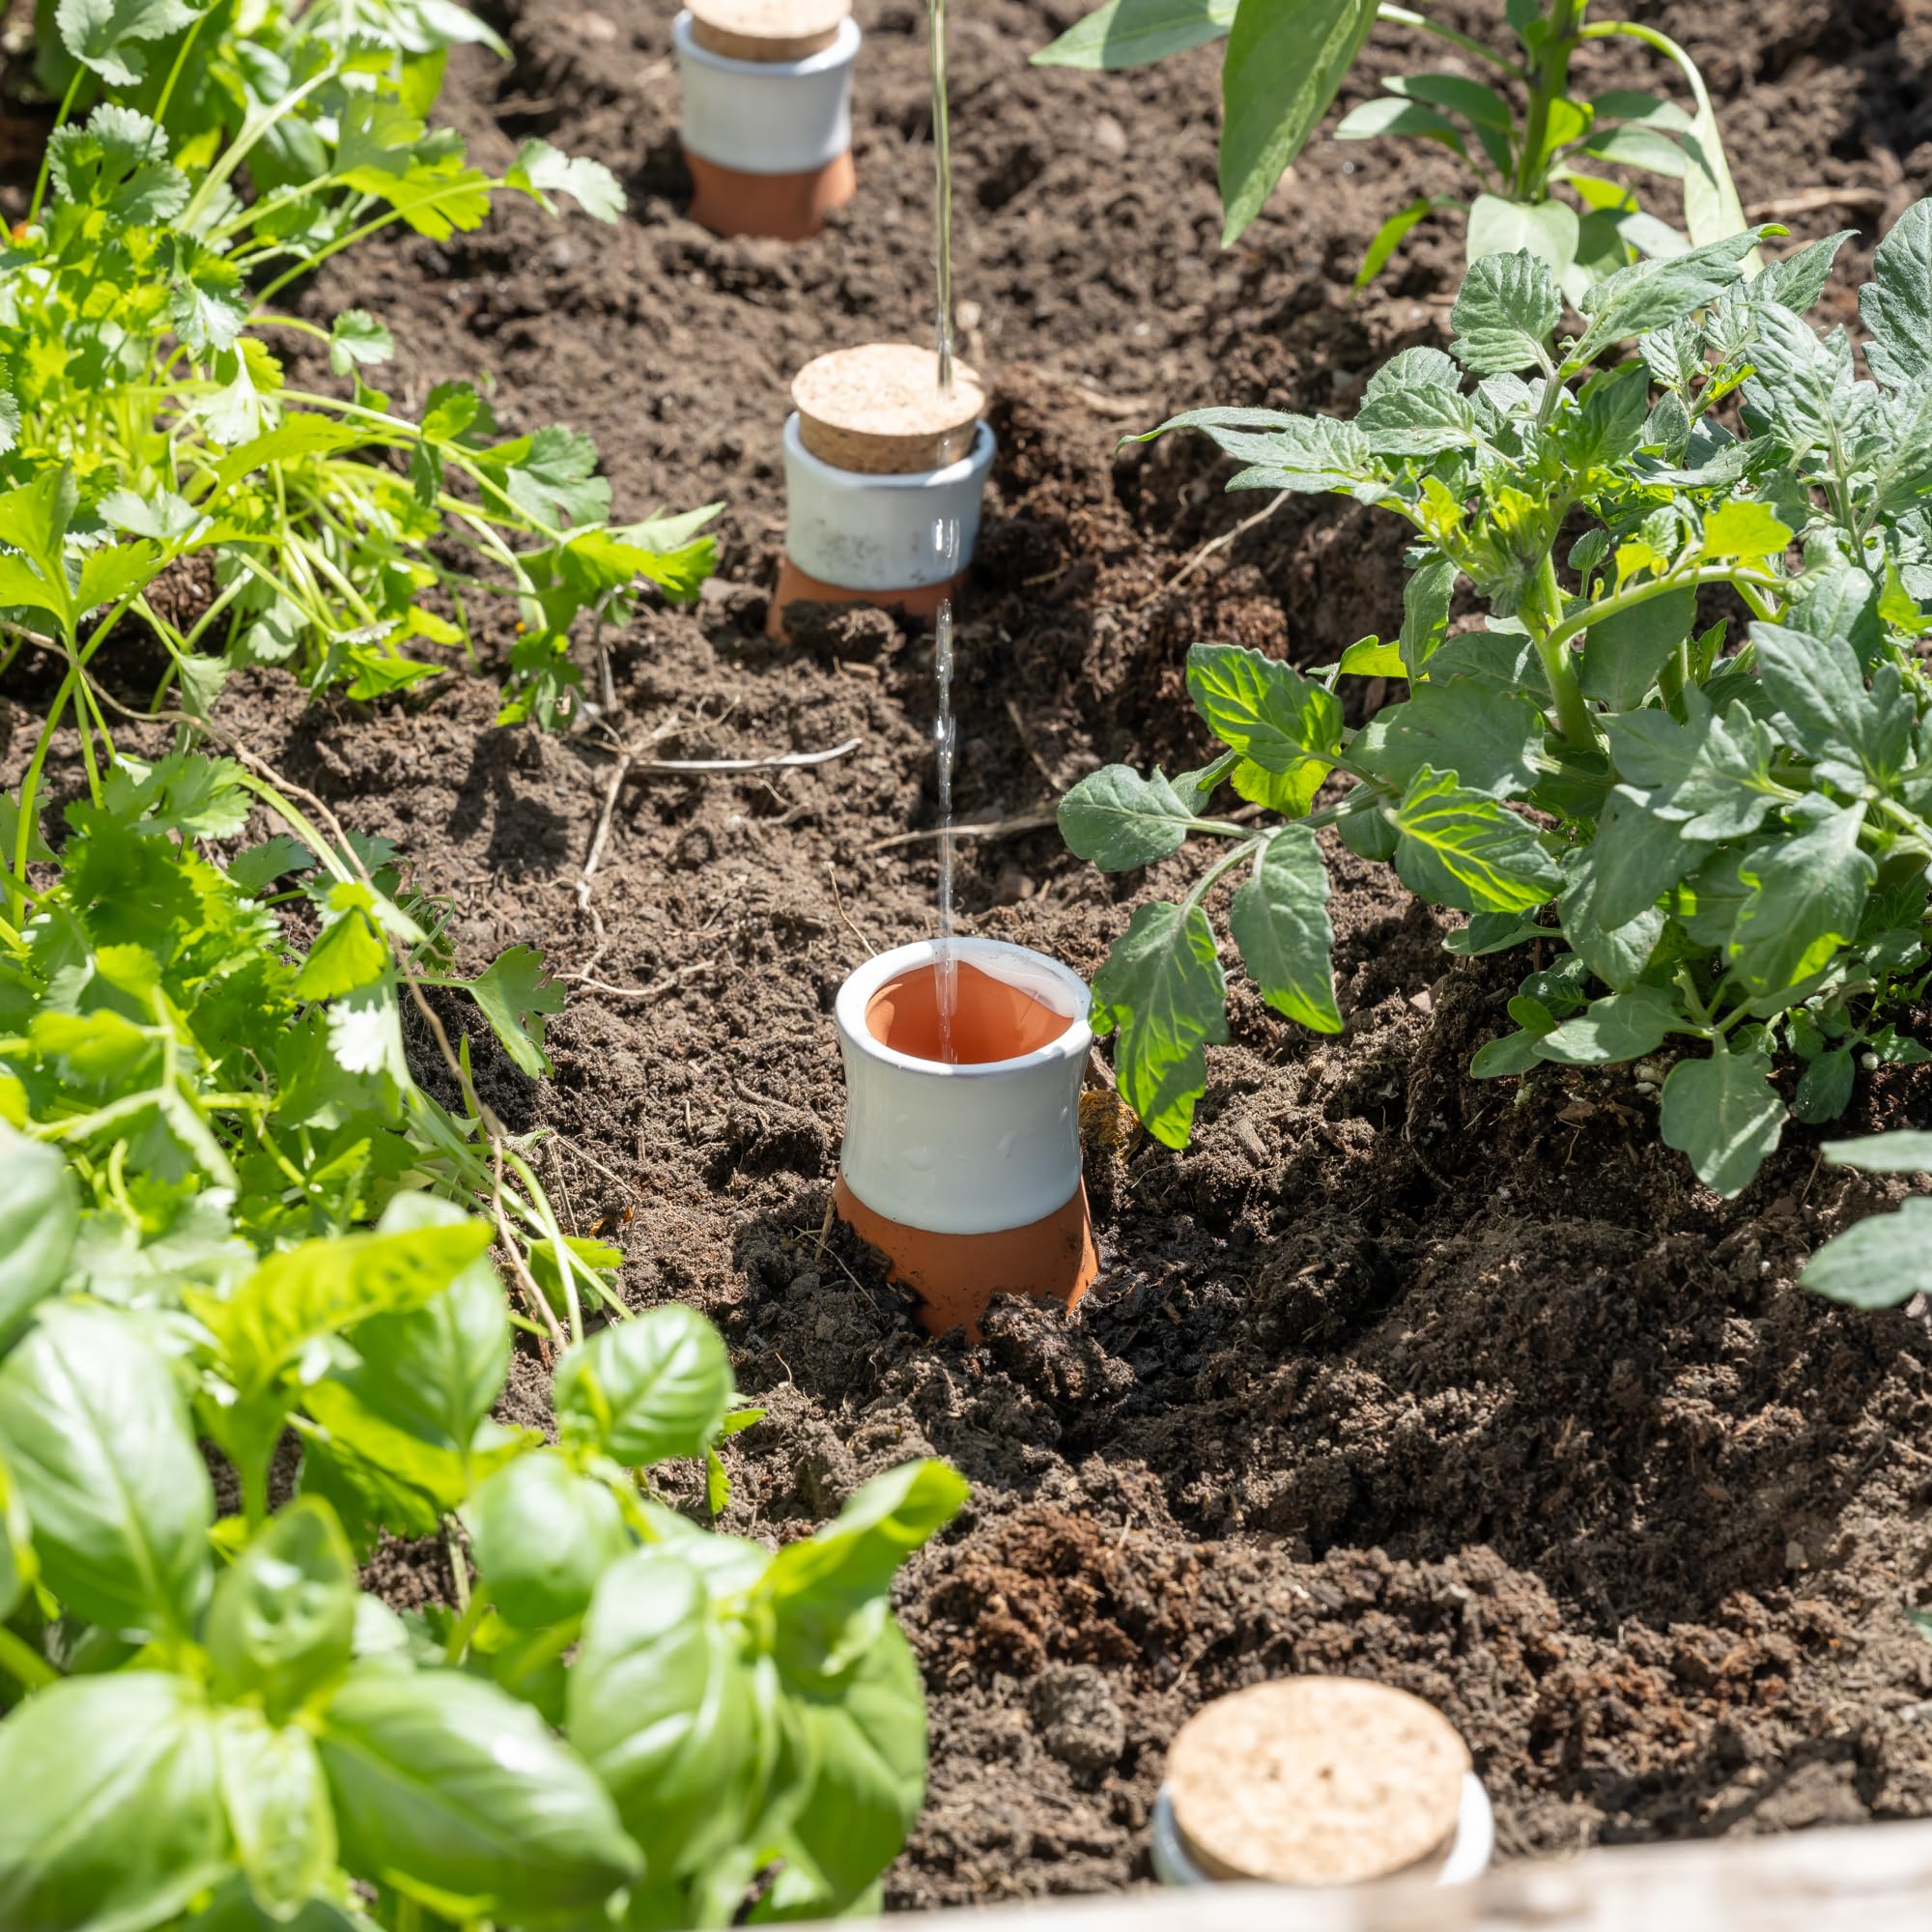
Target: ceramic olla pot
1319, 1781
884, 480
766, 128
961, 1159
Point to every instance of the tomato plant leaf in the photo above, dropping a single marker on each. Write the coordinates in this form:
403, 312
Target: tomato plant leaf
1163, 991
1280, 921
1119, 819
1725, 1114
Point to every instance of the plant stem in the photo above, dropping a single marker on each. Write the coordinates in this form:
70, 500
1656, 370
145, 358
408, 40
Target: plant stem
47, 152
24, 1664
1403, 17
1744, 581
1549, 84
466, 1626
1543, 614
175, 72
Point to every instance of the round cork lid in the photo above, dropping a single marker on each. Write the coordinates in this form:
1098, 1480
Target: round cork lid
878, 409
1316, 1780
769, 31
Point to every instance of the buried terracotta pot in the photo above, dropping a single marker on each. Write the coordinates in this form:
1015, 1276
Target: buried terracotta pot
767, 114
1314, 1781
964, 1173
884, 481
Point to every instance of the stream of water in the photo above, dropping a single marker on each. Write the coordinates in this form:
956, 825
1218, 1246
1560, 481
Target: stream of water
946, 533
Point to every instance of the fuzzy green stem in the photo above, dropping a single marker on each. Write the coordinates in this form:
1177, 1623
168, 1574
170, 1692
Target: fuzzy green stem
1543, 611
1745, 582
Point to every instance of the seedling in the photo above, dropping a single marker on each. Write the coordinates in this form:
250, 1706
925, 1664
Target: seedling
1527, 140
1729, 836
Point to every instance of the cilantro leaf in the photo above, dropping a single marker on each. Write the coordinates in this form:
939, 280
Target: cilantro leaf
516, 996
106, 35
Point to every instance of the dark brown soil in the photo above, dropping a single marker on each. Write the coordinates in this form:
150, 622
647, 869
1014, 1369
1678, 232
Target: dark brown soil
1468, 1387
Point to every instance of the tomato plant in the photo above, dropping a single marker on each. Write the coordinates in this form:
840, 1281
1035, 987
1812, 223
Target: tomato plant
1730, 835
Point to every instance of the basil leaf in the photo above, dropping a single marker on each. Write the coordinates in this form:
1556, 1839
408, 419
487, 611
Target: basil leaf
279, 1808
864, 1742
664, 1708
282, 1620
647, 1389
39, 1216
825, 1588
543, 1535
113, 1817
459, 1796
99, 1443
434, 1371
323, 1287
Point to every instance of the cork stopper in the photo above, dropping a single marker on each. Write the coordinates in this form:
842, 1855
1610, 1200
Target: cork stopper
1316, 1780
877, 411
766, 31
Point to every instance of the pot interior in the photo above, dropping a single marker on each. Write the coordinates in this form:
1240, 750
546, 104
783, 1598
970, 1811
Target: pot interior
992, 1018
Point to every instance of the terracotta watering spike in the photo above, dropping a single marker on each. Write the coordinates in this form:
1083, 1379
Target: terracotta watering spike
965, 1173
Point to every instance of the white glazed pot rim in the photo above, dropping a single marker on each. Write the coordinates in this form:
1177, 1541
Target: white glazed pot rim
860, 987
974, 464
839, 53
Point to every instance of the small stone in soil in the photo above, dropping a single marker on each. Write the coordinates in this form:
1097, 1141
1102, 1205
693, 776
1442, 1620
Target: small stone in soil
1077, 1719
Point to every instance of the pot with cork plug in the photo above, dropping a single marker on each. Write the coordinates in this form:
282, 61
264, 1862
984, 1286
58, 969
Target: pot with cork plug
766, 126
1321, 1781
885, 470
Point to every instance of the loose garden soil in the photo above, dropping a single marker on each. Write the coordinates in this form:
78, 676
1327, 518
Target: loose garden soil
1466, 1387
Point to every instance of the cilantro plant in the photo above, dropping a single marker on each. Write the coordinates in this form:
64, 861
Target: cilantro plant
1727, 835
1523, 139
148, 421
628, 1720
220, 1090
